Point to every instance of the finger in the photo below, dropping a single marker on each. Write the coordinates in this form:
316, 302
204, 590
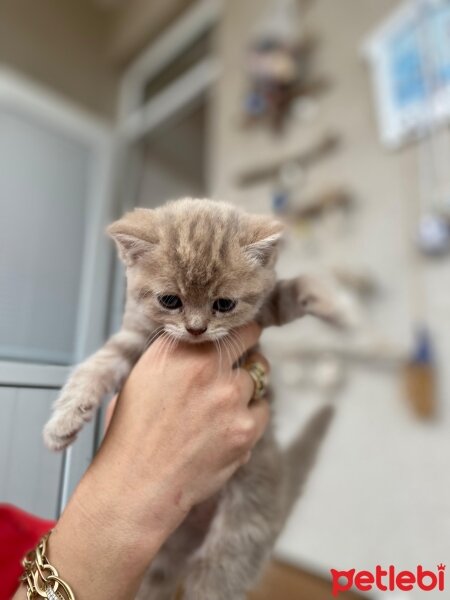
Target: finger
257, 357
245, 381
260, 412
242, 339
246, 386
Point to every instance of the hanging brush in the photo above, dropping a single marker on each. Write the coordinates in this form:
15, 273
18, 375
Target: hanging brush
420, 376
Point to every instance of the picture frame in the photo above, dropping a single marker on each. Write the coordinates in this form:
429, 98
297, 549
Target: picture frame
409, 56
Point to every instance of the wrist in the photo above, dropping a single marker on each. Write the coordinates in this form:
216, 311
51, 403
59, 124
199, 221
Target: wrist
134, 517
148, 496
103, 542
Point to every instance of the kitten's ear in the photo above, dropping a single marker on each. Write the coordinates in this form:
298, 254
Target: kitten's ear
129, 247
134, 235
265, 237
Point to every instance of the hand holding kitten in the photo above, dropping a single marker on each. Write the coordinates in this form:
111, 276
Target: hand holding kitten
188, 418
199, 272
180, 429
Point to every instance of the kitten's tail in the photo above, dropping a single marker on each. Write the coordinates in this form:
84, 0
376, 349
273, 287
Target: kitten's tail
300, 456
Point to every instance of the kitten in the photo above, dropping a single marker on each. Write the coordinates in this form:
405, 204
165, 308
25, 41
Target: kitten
198, 269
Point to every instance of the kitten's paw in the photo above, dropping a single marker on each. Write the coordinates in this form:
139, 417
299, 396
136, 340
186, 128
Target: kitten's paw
326, 302
67, 420
55, 435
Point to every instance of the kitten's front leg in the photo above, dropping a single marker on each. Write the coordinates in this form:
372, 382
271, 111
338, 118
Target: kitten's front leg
99, 375
305, 295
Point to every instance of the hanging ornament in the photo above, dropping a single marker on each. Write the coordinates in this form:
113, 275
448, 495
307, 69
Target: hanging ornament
433, 234
280, 200
278, 66
290, 181
420, 376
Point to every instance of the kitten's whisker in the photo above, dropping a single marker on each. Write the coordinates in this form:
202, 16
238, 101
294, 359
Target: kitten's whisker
161, 349
217, 348
151, 338
235, 350
169, 341
218, 345
172, 343
230, 352
154, 334
226, 348
239, 343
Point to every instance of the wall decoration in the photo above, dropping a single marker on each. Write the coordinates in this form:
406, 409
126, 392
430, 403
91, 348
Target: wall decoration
433, 235
304, 160
313, 209
279, 66
420, 376
288, 176
279, 73
410, 59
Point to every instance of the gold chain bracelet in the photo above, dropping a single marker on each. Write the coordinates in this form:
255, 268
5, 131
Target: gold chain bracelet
40, 578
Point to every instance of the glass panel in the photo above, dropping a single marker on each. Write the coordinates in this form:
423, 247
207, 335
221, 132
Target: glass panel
173, 159
191, 55
29, 473
44, 178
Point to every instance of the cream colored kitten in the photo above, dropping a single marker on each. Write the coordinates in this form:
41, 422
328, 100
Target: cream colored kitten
197, 269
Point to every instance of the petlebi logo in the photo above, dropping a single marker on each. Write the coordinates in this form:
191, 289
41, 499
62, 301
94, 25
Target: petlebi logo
388, 579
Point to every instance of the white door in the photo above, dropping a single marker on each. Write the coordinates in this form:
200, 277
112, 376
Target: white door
55, 263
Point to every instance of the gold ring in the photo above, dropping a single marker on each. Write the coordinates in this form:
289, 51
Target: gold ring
258, 373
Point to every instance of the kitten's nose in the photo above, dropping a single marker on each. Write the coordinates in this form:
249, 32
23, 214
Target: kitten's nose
196, 331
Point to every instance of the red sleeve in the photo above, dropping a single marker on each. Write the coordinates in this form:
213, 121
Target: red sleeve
19, 532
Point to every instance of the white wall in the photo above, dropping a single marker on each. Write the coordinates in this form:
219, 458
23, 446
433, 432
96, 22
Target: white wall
381, 491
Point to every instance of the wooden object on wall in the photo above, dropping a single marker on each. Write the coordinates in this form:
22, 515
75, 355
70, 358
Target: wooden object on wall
420, 378
305, 159
420, 389
314, 208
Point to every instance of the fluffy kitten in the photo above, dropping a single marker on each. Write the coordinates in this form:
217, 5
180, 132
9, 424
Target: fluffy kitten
198, 269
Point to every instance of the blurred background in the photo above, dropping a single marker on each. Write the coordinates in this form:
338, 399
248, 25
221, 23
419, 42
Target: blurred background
331, 114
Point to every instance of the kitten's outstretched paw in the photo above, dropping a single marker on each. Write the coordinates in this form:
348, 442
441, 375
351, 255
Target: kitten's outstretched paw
327, 303
54, 437
70, 414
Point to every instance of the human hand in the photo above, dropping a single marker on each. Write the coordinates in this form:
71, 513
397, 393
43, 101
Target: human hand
186, 418
181, 427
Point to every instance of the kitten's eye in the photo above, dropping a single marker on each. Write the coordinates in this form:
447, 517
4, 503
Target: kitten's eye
169, 301
224, 304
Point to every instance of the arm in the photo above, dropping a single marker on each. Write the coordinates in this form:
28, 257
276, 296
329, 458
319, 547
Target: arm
140, 486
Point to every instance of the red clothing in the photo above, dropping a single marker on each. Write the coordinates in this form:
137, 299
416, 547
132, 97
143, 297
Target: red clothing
19, 532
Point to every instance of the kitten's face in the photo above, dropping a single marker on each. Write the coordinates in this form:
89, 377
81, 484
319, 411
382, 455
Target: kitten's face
197, 268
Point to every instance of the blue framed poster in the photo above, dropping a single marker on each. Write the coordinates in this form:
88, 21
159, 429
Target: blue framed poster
410, 59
